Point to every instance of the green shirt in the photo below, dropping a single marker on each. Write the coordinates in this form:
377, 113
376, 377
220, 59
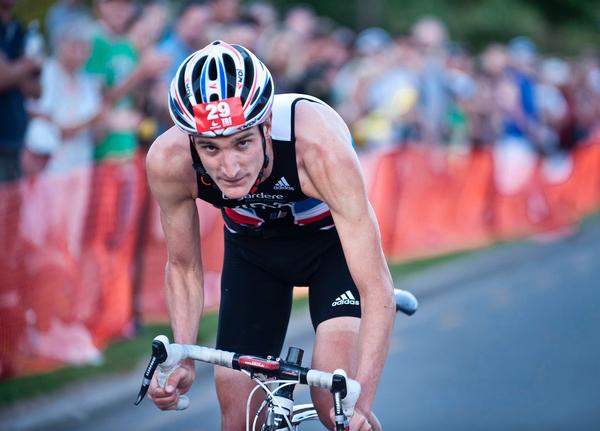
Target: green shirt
113, 60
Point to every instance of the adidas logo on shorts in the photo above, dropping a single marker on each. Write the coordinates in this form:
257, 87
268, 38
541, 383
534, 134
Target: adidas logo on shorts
345, 299
282, 184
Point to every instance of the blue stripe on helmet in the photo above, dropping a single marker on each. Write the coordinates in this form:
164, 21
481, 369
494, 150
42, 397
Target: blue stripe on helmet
223, 79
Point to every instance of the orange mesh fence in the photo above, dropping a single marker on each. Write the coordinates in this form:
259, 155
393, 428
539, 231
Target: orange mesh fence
151, 298
84, 254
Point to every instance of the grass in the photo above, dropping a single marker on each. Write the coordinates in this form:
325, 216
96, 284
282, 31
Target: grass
404, 269
120, 356
125, 355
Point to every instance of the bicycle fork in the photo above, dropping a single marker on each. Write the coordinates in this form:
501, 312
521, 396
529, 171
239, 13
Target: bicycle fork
281, 408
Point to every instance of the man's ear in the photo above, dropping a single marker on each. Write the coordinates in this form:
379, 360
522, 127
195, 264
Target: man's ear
267, 125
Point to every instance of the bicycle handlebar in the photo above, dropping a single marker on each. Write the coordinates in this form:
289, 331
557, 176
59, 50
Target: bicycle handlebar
166, 357
405, 301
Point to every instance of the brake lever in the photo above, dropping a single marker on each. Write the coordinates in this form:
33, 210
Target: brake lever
159, 355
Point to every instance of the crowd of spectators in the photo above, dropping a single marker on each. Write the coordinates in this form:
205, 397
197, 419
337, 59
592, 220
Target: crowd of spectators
98, 93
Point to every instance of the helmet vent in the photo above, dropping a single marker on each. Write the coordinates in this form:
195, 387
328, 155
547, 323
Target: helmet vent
212, 70
230, 72
196, 82
248, 73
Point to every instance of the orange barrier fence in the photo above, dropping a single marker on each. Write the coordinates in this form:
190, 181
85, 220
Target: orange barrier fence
84, 254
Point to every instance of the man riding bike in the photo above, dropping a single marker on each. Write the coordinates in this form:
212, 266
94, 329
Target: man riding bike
290, 188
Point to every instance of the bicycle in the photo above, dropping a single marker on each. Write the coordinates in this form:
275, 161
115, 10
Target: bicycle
283, 375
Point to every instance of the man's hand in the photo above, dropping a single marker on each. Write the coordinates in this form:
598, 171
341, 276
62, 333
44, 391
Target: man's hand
359, 421
178, 383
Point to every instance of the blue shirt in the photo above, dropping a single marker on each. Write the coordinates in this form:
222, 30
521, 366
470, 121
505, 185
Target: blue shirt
174, 47
13, 116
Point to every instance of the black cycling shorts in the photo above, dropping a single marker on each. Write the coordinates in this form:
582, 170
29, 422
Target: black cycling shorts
257, 282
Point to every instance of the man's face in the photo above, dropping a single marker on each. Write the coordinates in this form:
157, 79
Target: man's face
192, 26
116, 14
233, 162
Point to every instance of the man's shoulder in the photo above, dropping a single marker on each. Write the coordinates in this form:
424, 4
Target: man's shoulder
170, 155
319, 131
284, 113
313, 118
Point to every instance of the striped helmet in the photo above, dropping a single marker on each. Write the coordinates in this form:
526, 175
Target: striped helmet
220, 90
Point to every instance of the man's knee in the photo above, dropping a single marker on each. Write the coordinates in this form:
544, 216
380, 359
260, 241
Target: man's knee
323, 403
233, 389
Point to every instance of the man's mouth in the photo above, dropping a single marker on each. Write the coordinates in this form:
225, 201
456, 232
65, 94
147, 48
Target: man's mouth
233, 181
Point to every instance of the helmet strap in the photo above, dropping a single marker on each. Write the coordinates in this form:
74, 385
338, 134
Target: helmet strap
259, 178
205, 179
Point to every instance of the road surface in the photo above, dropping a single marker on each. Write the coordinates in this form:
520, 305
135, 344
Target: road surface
506, 339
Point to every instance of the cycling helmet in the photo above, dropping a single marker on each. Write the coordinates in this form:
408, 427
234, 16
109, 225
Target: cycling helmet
220, 90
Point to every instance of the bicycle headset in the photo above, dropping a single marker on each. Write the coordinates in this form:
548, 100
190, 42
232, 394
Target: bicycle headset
220, 90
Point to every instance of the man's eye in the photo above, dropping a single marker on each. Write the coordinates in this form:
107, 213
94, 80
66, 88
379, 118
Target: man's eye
243, 144
209, 148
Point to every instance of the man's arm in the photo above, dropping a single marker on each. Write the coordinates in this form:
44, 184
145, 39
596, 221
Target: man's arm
150, 66
168, 169
333, 174
169, 179
20, 73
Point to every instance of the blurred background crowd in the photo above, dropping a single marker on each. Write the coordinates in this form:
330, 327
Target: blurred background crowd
88, 83
471, 129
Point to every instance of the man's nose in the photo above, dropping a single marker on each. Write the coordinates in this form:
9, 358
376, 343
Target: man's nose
230, 165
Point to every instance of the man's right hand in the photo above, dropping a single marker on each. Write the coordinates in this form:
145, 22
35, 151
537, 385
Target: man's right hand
178, 383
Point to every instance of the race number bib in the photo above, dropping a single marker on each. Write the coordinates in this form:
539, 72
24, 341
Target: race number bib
219, 115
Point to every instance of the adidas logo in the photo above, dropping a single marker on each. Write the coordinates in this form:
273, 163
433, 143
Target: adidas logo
282, 184
345, 299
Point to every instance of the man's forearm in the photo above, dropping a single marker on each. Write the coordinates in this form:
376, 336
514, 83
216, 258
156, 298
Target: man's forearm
377, 321
185, 301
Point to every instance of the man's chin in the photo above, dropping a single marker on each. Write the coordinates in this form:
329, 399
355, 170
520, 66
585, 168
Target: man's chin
235, 192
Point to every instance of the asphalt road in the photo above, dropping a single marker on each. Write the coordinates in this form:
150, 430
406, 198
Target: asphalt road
504, 340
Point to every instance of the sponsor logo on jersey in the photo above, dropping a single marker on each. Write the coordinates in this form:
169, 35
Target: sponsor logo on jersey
282, 184
345, 298
253, 196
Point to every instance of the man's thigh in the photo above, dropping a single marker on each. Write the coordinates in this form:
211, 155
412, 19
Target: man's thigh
254, 309
233, 389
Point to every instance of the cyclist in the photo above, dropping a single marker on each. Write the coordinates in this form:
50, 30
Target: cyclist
290, 188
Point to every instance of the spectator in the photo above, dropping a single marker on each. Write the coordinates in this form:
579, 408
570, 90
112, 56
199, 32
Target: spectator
434, 103
284, 67
244, 31
187, 35
265, 15
118, 63
522, 122
301, 20
18, 79
225, 11
122, 69
144, 33
70, 102
357, 82
62, 14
